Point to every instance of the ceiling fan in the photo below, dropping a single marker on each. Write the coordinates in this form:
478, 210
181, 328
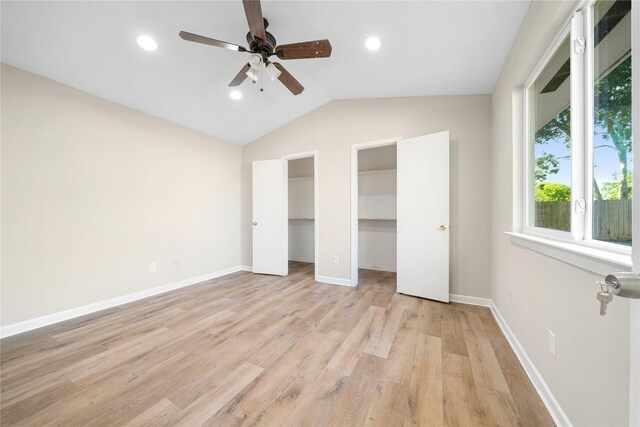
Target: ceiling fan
262, 45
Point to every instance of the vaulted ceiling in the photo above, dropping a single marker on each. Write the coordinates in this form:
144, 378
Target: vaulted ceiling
428, 48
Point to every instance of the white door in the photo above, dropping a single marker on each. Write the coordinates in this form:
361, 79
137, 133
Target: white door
423, 216
270, 217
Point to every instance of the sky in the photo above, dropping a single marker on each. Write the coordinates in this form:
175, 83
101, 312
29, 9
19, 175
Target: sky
605, 160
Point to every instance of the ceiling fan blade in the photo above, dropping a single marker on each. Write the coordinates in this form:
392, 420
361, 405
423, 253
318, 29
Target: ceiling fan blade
304, 50
240, 77
212, 42
287, 79
253, 10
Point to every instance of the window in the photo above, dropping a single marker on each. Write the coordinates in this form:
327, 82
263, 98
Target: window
578, 131
550, 132
612, 142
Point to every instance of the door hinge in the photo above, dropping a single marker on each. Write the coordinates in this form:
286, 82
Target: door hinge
580, 206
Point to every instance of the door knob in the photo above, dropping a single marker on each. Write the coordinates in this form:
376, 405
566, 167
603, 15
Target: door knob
442, 227
624, 284
254, 223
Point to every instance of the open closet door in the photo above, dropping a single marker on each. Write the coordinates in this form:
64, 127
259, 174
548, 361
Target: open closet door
270, 232
423, 216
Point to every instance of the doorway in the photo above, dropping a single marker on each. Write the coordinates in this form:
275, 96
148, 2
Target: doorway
285, 214
377, 225
373, 210
409, 202
302, 213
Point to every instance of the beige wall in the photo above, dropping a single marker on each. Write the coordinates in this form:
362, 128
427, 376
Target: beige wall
333, 128
92, 192
590, 374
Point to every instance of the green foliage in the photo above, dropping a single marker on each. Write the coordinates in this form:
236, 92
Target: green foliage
613, 116
546, 164
613, 105
552, 192
611, 190
556, 128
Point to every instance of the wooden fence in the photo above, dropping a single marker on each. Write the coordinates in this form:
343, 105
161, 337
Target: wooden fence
611, 218
555, 215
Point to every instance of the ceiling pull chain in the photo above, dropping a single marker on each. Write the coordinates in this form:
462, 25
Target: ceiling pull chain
261, 79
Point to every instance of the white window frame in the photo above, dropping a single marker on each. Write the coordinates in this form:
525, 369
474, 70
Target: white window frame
579, 25
529, 168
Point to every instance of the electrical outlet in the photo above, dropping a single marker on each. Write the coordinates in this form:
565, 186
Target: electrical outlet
510, 291
153, 267
336, 259
552, 343
176, 263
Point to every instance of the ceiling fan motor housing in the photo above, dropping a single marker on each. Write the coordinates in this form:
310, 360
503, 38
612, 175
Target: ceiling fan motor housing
266, 48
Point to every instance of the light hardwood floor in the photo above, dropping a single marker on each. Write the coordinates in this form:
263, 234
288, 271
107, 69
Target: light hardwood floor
261, 350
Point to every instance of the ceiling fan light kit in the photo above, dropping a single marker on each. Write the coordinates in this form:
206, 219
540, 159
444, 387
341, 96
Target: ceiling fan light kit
274, 73
255, 61
252, 73
262, 45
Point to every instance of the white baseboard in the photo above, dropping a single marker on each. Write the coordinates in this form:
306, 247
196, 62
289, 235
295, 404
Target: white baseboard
248, 268
334, 281
554, 408
296, 259
50, 319
377, 268
463, 299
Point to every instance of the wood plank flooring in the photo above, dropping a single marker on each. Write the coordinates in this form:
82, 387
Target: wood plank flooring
248, 349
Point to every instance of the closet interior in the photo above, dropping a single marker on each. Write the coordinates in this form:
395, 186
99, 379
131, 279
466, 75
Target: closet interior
301, 210
377, 202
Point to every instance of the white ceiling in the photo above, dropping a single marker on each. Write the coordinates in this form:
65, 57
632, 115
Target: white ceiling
428, 48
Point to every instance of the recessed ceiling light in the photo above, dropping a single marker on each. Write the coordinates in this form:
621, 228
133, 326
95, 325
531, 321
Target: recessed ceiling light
235, 94
372, 43
147, 43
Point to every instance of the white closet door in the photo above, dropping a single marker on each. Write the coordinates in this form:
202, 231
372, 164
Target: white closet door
270, 231
423, 216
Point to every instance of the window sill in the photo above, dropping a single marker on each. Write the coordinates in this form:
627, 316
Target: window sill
595, 260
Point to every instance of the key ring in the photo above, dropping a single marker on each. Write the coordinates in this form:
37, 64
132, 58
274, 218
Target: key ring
603, 287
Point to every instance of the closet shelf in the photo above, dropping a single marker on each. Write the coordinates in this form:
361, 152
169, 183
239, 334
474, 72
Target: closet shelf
376, 219
378, 172
304, 219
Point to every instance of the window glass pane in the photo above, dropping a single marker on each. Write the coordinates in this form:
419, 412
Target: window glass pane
550, 125
612, 165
